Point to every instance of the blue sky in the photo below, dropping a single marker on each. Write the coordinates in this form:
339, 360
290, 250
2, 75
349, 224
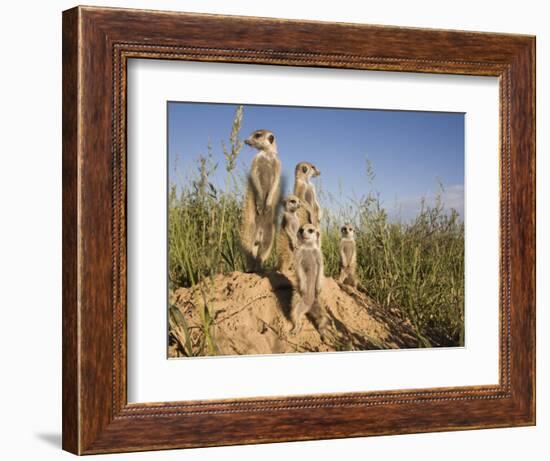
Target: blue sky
409, 151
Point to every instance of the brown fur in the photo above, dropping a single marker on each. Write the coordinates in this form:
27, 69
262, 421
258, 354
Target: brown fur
348, 256
310, 211
288, 233
308, 263
261, 199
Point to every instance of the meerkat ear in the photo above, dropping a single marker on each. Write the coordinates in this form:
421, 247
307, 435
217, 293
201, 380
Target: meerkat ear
318, 236
271, 138
304, 169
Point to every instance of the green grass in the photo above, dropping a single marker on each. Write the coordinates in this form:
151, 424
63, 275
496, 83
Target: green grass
415, 266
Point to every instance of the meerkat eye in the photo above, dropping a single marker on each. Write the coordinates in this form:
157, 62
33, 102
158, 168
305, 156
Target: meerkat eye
257, 135
271, 138
310, 231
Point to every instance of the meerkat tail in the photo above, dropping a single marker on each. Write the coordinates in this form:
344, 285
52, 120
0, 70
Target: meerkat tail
248, 220
248, 231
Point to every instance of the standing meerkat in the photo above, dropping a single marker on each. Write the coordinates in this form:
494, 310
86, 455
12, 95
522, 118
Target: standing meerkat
288, 234
348, 256
261, 199
308, 263
305, 191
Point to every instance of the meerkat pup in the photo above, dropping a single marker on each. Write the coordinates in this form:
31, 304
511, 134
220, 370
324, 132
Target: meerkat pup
348, 256
288, 233
261, 199
305, 191
308, 264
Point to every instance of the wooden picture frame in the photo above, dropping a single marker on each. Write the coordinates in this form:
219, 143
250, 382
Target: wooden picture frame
97, 43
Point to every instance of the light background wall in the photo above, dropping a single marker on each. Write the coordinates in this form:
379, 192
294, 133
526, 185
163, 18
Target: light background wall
30, 227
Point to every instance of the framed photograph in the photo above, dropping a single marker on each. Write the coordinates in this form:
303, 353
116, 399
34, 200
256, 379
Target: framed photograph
281, 230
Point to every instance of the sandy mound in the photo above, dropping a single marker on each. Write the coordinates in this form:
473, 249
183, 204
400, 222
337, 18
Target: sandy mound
239, 313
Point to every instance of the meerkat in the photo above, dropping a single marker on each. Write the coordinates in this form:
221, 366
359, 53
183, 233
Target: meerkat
261, 199
305, 191
308, 264
288, 233
348, 256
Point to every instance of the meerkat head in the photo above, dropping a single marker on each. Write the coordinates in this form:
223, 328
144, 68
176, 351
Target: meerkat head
263, 140
309, 233
306, 170
348, 231
292, 203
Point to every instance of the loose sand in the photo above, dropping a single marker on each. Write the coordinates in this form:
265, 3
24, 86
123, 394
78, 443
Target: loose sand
249, 314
